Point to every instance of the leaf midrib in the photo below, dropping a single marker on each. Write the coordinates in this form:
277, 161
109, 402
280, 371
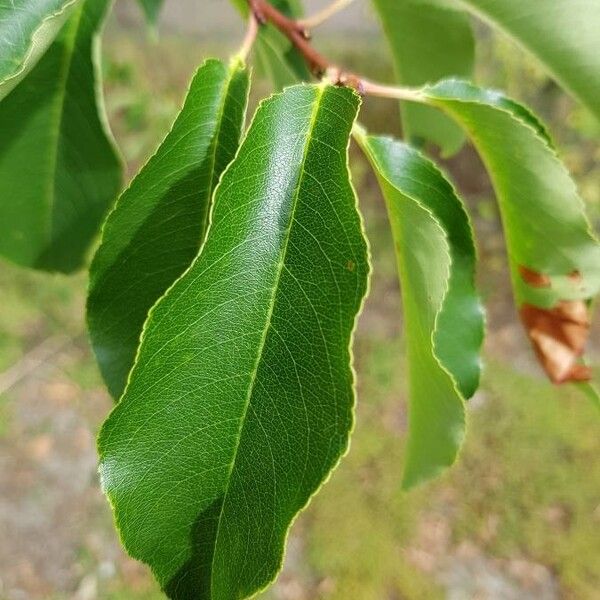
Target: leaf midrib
252, 382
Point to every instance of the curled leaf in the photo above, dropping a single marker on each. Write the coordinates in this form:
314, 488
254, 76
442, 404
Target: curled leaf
443, 318
553, 253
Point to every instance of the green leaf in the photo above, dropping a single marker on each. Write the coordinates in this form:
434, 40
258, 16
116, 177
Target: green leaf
554, 256
151, 9
58, 165
26, 31
160, 221
240, 402
562, 34
429, 42
546, 228
275, 54
442, 313
279, 59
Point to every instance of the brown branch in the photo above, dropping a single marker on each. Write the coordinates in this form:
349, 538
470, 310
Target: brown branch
264, 12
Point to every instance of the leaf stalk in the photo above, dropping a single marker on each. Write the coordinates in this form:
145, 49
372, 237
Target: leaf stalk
320, 66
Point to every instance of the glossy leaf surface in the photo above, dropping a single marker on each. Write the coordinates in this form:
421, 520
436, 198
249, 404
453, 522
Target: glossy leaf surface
160, 221
58, 166
562, 34
27, 28
442, 314
241, 399
553, 253
429, 41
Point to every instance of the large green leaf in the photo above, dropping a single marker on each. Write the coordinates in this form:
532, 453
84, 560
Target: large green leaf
429, 42
151, 9
240, 402
554, 255
58, 169
275, 54
562, 34
27, 28
442, 313
160, 221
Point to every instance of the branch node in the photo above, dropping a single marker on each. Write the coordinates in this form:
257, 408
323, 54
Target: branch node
305, 33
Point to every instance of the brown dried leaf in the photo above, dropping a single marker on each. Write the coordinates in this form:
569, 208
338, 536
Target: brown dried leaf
559, 336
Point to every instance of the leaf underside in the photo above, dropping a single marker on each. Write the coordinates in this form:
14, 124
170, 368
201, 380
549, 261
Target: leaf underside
443, 317
241, 399
26, 31
160, 221
553, 253
58, 166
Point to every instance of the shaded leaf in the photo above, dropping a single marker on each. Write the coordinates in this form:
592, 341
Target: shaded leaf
279, 60
151, 9
160, 221
442, 314
57, 163
241, 398
562, 34
429, 42
27, 28
276, 56
554, 255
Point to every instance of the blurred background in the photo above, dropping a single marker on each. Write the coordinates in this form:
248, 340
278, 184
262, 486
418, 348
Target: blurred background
517, 518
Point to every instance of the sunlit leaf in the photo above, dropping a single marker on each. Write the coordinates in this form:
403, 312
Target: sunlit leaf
160, 221
240, 402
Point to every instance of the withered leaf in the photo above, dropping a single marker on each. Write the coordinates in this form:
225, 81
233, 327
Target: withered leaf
559, 336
